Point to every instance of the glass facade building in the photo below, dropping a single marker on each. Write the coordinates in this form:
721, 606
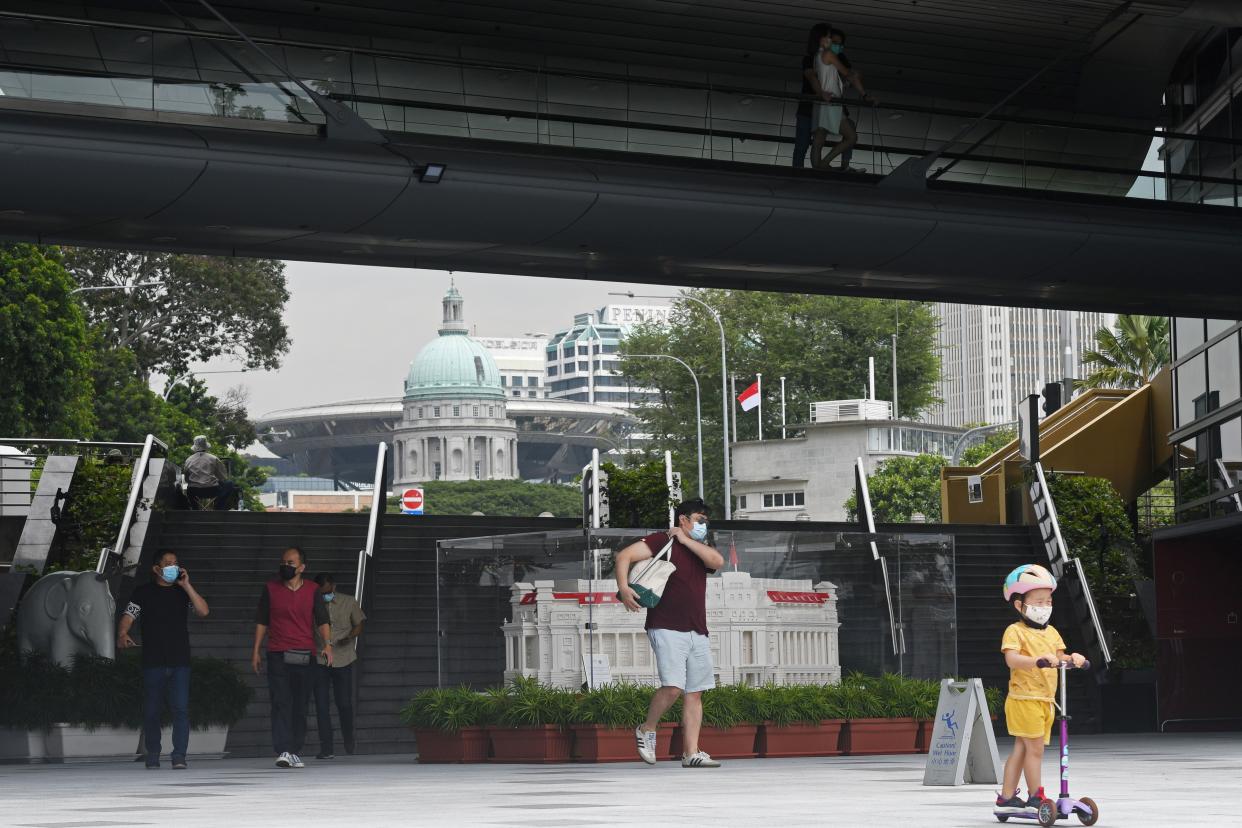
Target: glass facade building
1207, 436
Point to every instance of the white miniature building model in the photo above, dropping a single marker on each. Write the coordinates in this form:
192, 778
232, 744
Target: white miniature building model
763, 630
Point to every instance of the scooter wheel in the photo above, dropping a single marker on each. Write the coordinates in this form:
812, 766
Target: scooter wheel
1047, 813
1088, 818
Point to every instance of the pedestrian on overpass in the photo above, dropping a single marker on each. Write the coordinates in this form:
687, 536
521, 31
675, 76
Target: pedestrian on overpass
804, 116
337, 679
289, 615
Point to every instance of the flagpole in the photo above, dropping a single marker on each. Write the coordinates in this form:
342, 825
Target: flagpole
782, 408
733, 393
759, 382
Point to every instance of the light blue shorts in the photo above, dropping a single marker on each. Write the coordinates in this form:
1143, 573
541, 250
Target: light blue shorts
683, 659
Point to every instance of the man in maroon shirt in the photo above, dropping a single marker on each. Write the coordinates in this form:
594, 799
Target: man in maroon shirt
290, 610
677, 628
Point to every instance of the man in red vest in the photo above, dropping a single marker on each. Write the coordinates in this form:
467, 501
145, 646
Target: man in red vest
289, 613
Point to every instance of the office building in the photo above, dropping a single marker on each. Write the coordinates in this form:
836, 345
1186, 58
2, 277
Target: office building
992, 357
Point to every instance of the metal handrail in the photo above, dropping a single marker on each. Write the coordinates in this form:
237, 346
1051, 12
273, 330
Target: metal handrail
379, 503
131, 506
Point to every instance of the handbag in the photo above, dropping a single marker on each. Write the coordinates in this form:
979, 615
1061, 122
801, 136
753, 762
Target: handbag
649, 582
297, 658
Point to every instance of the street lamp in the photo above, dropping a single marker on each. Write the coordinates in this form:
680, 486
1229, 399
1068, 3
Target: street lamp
724, 388
698, 411
115, 287
183, 377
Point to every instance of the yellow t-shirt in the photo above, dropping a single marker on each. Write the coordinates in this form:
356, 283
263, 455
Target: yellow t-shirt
1034, 683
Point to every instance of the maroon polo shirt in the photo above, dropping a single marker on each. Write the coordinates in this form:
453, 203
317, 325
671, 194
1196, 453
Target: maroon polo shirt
291, 616
683, 607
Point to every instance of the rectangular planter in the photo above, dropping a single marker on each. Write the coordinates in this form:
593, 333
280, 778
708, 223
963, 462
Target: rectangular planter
599, 743
923, 745
70, 743
822, 739
871, 737
737, 742
467, 745
204, 744
540, 744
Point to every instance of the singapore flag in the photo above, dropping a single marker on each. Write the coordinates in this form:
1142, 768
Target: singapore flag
750, 397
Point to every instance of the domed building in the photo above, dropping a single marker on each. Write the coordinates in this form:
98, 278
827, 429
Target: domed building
454, 423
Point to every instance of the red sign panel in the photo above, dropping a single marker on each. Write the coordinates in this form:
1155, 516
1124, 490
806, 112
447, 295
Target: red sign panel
412, 500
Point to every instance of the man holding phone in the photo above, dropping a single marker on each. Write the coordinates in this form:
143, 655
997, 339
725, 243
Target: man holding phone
163, 607
677, 627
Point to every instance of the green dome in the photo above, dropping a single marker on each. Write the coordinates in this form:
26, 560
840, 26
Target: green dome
453, 365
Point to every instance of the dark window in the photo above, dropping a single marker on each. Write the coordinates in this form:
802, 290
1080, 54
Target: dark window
583, 349
476, 411
504, 380
609, 349
1191, 389
532, 394
457, 411
1223, 370
435, 412
533, 382
517, 382
741, 501
551, 355
584, 366
552, 370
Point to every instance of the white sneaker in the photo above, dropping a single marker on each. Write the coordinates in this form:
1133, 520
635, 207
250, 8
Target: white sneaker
297, 760
284, 760
646, 744
699, 760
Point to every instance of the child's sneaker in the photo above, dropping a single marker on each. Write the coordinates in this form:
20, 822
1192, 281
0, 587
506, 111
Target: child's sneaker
1036, 798
1012, 805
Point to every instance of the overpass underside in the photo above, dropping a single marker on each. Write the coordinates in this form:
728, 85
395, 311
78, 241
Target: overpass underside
620, 154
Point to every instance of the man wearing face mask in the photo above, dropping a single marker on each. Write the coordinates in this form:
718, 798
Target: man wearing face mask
289, 615
677, 628
337, 680
163, 608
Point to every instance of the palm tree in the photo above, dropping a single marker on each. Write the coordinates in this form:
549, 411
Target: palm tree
1129, 356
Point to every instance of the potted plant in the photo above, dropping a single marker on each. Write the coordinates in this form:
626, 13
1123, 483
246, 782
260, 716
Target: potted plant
798, 720
94, 709
730, 723
529, 722
877, 724
448, 724
604, 720
924, 699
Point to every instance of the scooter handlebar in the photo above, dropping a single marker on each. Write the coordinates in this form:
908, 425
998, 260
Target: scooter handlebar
1045, 663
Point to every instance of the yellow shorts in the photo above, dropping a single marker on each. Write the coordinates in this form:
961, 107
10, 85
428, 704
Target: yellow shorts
1029, 719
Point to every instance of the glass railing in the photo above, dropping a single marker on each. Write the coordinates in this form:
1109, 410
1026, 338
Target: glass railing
636, 110
767, 611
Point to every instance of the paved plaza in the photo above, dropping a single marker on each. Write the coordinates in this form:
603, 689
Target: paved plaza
1136, 779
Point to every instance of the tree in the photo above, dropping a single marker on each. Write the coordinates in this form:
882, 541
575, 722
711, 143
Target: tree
637, 496
820, 344
1131, 355
44, 347
991, 444
205, 307
902, 486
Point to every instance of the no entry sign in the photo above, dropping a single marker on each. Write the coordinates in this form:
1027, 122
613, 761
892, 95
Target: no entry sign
412, 501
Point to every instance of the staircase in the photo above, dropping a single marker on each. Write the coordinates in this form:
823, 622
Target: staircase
985, 555
231, 554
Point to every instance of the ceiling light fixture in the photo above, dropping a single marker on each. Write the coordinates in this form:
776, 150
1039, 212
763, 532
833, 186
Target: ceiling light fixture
431, 173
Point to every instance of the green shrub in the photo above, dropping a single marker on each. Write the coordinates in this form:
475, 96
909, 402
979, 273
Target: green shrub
614, 705
447, 709
100, 692
729, 705
527, 703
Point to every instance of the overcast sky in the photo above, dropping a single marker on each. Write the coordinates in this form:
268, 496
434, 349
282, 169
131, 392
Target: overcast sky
356, 329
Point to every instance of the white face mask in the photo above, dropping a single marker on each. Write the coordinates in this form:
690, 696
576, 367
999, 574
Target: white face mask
1038, 615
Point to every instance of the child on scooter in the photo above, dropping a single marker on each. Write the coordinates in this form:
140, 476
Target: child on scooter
1029, 711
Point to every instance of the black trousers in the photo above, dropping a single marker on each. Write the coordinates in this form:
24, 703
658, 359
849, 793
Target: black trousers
340, 681
289, 686
222, 495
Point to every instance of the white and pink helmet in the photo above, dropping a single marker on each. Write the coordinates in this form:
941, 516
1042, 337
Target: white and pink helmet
1027, 577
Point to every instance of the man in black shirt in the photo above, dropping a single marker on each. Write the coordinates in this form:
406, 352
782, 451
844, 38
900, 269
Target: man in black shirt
163, 607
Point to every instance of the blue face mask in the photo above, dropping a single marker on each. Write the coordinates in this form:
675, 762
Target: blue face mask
328, 596
698, 531
836, 48
170, 573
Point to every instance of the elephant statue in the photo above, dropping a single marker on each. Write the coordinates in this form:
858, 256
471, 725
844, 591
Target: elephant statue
67, 613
